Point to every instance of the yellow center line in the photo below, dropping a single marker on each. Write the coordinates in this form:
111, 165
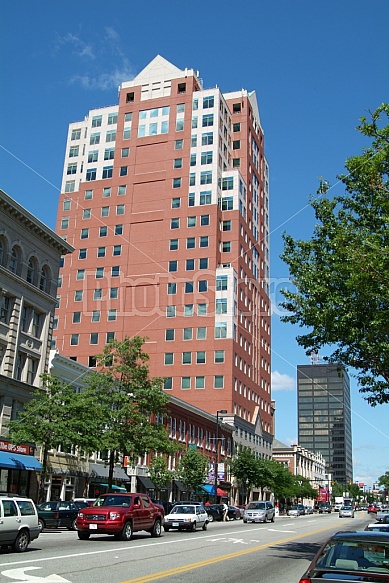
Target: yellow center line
198, 565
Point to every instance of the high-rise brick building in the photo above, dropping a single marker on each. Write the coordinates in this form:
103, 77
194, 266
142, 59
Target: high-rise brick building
165, 198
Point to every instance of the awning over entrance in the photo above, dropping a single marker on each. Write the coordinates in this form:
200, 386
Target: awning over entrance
210, 489
147, 483
16, 461
101, 471
180, 485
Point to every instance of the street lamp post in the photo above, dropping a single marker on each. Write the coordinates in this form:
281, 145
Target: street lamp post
222, 411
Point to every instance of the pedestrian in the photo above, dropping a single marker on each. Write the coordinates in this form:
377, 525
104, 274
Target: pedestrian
225, 512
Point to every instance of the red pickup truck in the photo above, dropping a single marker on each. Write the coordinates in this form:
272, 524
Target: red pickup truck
120, 515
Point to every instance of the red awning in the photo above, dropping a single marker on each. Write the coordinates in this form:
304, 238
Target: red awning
222, 493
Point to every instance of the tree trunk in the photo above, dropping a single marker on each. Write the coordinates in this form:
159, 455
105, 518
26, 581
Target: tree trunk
41, 490
111, 467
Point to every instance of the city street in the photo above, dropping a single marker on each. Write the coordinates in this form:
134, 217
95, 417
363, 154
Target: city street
229, 552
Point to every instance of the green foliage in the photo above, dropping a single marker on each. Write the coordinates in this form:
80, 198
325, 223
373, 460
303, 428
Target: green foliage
341, 273
159, 473
302, 488
384, 480
244, 468
283, 481
192, 469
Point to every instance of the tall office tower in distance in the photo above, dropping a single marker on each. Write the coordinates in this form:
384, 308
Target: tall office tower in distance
324, 417
165, 198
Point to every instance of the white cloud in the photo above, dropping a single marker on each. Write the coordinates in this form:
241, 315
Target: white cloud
282, 382
103, 80
80, 47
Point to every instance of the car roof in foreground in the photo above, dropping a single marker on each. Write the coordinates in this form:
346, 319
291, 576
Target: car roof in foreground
363, 535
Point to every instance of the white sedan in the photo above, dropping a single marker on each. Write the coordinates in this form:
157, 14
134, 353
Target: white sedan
186, 517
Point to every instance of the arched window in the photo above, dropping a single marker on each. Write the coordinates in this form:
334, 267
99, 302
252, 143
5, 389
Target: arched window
14, 260
2, 251
44, 279
31, 270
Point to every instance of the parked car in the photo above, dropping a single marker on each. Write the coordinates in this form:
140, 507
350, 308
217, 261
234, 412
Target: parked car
294, 511
239, 511
58, 514
324, 507
381, 514
378, 527
186, 517
120, 515
346, 512
351, 556
259, 511
308, 509
215, 512
18, 522
301, 508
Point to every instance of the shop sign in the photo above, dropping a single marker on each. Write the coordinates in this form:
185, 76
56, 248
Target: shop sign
21, 448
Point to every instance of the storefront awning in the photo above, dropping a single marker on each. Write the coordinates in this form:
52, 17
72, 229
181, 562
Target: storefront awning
101, 471
147, 483
180, 485
210, 489
16, 461
114, 488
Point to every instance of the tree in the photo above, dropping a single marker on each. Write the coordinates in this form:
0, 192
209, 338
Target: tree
384, 480
192, 469
56, 415
159, 473
282, 483
244, 468
341, 273
130, 403
302, 488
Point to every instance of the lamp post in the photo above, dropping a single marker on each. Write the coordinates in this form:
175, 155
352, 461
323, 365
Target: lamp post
222, 411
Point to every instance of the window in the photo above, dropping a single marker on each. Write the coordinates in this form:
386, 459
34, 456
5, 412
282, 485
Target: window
189, 264
208, 101
110, 136
103, 231
204, 220
86, 213
113, 293
122, 189
204, 241
191, 199
173, 245
206, 158
94, 338
181, 87
236, 108
112, 118
92, 361
179, 125
201, 333
207, 120
88, 194
75, 135
123, 171
236, 145
191, 221
221, 330
187, 333
96, 121
227, 203
111, 315
221, 282
200, 357
64, 222
203, 263
205, 197
186, 358
193, 159
178, 144
177, 163
70, 186
80, 274
171, 289
169, 334
173, 266
97, 294
174, 223
118, 229
207, 139
76, 317
168, 358
170, 311
120, 209
99, 273
72, 169
130, 97
219, 356
110, 336
82, 253
226, 246
221, 306
93, 156
176, 203
94, 139
107, 172
226, 226
188, 310
101, 251
185, 382
236, 163
206, 177
125, 152
218, 382
74, 339
192, 179
189, 286
168, 383
117, 250
203, 285
91, 174
78, 295
107, 192
195, 120
95, 316
105, 211
201, 309
115, 271
200, 382
177, 182
191, 242
109, 153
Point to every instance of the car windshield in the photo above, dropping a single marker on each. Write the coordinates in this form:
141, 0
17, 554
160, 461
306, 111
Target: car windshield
183, 510
370, 555
113, 501
256, 506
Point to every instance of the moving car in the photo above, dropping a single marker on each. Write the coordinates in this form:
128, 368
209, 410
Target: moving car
186, 517
215, 512
18, 522
324, 507
56, 514
308, 509
378, 527
294, 511
372, 508
346, 512
259, 511
351, 556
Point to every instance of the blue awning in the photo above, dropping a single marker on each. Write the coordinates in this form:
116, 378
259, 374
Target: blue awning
210, 489
17, 461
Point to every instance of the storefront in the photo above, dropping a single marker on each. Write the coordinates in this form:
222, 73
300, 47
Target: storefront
98, 483
18, 468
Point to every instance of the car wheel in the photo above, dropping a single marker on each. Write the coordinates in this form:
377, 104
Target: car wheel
41, 524
210, 517
83, 535
126, 533
73, 525
205, 526
22, 541
272, 518
157, 529
166, 528
193, 526
245, 521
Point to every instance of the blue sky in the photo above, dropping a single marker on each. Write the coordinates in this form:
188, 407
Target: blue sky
317, 67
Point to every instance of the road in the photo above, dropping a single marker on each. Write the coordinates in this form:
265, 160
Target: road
228, 552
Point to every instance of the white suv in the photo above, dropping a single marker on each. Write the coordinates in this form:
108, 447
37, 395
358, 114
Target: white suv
259, 511
18, 522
